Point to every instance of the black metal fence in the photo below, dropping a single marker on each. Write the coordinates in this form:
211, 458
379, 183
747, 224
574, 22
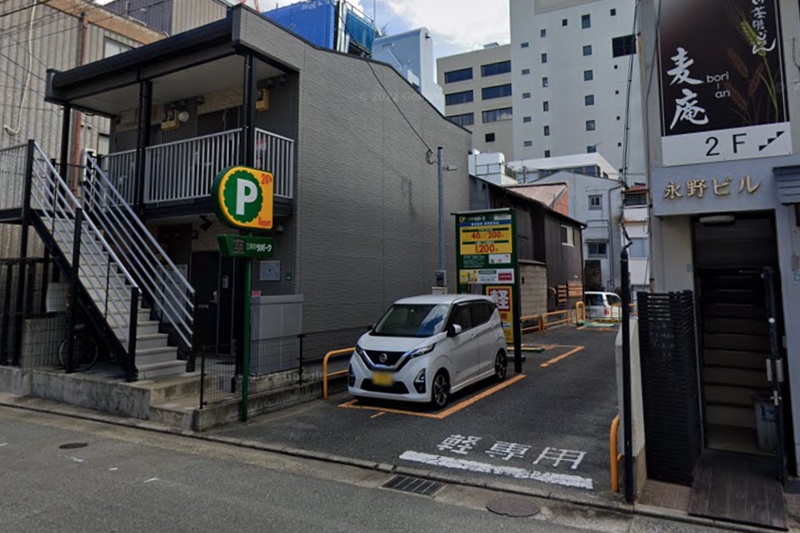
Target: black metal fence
275, 363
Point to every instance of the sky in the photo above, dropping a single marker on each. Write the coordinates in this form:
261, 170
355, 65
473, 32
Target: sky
457, 25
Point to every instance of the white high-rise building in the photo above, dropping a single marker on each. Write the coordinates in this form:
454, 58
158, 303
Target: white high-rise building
571, 69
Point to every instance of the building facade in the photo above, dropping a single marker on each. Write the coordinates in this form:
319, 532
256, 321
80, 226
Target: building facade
477, 87
170, 17
571, 62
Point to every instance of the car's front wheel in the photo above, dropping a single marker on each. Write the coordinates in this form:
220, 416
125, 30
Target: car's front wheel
440, 390
500, 366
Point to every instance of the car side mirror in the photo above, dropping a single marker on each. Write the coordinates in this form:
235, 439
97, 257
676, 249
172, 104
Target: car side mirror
454, 330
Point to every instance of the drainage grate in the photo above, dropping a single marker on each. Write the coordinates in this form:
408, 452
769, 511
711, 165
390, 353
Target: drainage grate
414, 485
73, 445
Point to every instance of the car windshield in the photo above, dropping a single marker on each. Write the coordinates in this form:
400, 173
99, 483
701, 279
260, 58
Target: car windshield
412, 320
613, 299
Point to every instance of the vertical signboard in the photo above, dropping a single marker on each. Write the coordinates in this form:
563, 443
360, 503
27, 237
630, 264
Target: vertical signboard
723, 86
487, 264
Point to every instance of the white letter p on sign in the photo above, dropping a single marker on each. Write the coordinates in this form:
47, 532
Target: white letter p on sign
246, 192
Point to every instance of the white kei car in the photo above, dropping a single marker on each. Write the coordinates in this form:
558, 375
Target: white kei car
425, 348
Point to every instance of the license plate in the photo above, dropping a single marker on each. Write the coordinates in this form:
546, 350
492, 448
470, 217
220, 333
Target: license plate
382, 380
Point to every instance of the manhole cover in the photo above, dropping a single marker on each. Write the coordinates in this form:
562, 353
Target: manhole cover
73, 445
413, 485
514, 507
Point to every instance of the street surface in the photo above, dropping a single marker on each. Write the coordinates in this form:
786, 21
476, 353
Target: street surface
127, 479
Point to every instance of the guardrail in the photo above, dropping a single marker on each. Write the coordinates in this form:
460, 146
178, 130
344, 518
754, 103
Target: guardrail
580, 312
613, 456
325, 374
565, 320
539, 327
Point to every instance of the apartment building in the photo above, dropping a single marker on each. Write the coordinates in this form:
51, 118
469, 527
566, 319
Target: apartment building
477, 87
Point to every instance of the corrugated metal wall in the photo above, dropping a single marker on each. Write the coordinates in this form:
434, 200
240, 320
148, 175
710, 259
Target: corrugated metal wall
189, 14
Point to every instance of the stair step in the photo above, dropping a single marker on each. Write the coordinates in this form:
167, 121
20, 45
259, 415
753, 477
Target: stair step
150, 356
151, 340
147, 327
157, 370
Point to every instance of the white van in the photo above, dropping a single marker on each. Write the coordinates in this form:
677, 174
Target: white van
427, 347
603, 305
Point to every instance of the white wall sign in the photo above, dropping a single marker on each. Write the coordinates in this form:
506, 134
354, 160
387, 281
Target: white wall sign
769, 140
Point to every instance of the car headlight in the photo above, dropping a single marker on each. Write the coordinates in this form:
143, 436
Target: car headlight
421, 351
360, 351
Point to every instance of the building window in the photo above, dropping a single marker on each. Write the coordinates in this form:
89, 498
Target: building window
526, 44
623, 46
547, 153
463, 97
489, 137
595, 201
547, 131
493, 69
597, 249
526, 120
545, 106
567, 236
586, 22
528, 144
638, 199
467, 119
588, 75
112, 47
497, 115
498, 91
545, 82
543, 32
563, 22
613, 12
544, 58
458, 75
590, 125
587, 50
640, 248
103, 144
588, 99
525, 96
592, 148
526, 71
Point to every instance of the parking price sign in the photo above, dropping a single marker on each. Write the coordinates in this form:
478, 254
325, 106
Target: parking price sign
488, 264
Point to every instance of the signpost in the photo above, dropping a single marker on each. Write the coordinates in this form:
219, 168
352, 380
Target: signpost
487, 263
243, 198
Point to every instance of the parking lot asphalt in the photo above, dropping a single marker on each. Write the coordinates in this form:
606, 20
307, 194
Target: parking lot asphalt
548, 426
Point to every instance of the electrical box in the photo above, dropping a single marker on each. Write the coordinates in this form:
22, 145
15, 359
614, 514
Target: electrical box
262, 100
169, 121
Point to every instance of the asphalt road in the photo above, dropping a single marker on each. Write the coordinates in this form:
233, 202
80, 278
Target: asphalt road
125, 479
563, 410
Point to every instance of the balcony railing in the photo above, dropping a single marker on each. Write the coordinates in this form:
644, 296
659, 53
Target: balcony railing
183, 171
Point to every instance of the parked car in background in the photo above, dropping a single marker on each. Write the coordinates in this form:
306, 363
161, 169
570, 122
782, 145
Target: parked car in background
425, 348
603, 305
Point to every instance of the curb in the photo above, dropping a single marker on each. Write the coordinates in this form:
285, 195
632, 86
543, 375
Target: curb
534, 492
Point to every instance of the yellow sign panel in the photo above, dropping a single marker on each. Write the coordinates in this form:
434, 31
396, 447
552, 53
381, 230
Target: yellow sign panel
502, 296
243, 198
484, 240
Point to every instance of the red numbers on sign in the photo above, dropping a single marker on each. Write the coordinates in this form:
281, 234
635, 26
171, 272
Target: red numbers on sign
266, 179
486, 248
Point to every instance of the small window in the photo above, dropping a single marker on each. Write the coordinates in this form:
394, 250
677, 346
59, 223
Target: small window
545, 82
547, 153
543, 32
597, 249
493, 69
464, 97
592, 148
498, 91
588, 99
113, 47
544, 58
526, 71
593, 300
619, 118
545, 106
481, 313
563, 22
567, 236
458, 75
462, 316
623, 46
526, 119
595, 201
489, 137
588, 75
590, 125
635, 200
528, 144
547, 131
497, 115
640, 248
613, 12
467, 119
586, 22
587, 50
525, 45
525, 96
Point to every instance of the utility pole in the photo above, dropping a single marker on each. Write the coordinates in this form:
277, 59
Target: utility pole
627, 411
441, 280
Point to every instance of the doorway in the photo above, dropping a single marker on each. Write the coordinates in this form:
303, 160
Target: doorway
214, 281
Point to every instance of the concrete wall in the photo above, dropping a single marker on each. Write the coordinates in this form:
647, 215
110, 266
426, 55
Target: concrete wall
637, 408
533, 288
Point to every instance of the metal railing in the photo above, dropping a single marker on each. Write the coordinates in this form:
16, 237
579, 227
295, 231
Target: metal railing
84, 247
164, 285
275, 154
120, 167
12, 176
185, 170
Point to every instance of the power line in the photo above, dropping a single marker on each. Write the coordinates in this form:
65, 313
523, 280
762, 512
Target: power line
20, 9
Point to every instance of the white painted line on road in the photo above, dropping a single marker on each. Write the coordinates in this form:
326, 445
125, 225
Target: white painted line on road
76, 460
113, 469
3, 444
485, 468
151, 480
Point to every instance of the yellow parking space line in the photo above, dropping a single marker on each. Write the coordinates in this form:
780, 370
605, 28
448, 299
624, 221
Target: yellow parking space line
376, 415
353, 404
581, 328
560, 357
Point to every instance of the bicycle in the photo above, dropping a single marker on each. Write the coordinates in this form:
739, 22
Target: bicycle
84, 350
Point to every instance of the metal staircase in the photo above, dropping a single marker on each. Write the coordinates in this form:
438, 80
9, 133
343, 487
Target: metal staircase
137, 301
